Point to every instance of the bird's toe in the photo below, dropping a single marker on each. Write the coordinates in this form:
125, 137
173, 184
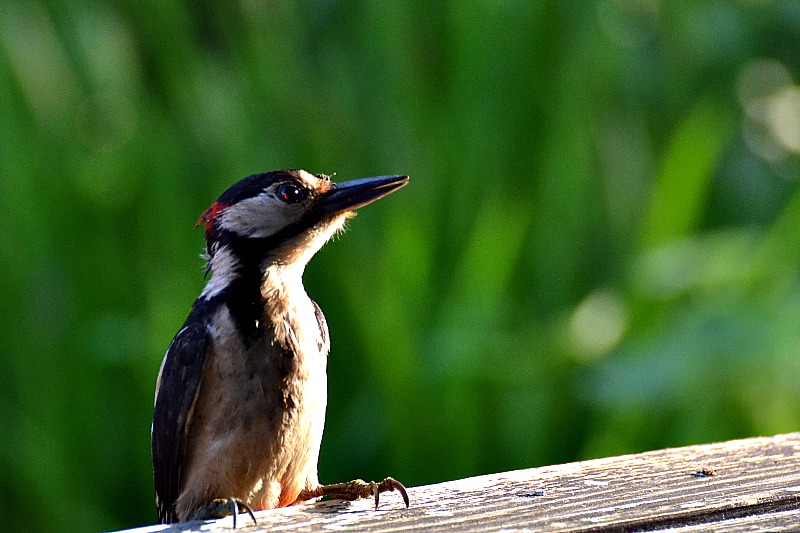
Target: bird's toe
222, 507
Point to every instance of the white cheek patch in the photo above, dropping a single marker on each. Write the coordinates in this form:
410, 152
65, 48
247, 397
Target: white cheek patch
260, 216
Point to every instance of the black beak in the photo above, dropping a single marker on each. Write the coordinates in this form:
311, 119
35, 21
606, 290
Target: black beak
350, 195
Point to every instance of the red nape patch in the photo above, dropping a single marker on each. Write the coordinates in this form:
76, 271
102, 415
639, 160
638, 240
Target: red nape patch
208, 216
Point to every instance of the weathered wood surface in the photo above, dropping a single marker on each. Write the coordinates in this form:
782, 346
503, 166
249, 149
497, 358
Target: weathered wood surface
744, 485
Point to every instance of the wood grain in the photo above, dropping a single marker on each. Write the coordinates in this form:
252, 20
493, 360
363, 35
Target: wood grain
743, 485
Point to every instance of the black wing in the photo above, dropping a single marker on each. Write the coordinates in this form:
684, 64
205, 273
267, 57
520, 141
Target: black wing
176, 393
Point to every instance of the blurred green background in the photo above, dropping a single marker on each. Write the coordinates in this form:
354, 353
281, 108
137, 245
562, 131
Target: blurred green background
598, 252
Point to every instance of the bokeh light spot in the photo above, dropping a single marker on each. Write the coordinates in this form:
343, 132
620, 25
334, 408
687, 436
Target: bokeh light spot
598, 323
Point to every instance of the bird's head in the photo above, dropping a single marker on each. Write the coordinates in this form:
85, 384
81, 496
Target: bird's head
286, 216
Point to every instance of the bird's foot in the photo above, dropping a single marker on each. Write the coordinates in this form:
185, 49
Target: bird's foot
222, 507
356, 489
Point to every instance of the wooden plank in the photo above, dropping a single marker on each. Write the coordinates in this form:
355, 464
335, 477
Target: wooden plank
777, 521
743, 485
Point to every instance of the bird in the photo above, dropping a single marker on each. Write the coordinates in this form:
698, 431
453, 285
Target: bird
241, 393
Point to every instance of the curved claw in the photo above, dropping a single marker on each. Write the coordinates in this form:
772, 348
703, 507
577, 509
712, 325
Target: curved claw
237, 506
222, 507
375, 492
389, 485
353, 490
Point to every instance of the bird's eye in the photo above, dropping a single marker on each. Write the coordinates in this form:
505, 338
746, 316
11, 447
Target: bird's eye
291, 194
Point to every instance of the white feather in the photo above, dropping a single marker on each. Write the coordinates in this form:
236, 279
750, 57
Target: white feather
223, 271
260, 216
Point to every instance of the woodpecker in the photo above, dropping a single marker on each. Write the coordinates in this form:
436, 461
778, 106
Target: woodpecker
242, 390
